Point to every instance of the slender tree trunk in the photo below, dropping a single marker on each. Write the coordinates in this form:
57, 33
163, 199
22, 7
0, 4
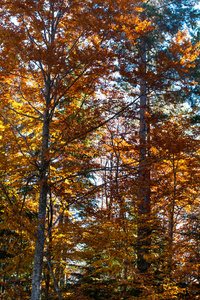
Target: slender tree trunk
171, 218
48, 252
39, 247
143, 245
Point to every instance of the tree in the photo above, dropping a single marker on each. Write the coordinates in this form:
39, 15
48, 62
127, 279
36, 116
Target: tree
42, 95
161, 69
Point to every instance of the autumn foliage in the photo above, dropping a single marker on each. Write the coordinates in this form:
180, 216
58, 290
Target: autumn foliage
99, 160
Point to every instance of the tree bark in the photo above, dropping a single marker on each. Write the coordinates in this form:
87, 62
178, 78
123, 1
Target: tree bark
171, 217
143, 245
39, 247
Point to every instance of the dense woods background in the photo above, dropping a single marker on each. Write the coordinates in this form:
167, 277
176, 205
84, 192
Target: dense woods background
99, 149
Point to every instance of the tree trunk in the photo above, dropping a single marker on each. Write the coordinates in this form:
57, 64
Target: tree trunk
144, 231
49, 248
171, 217
39, 247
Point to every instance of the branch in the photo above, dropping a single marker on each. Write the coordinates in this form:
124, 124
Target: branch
53, 277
